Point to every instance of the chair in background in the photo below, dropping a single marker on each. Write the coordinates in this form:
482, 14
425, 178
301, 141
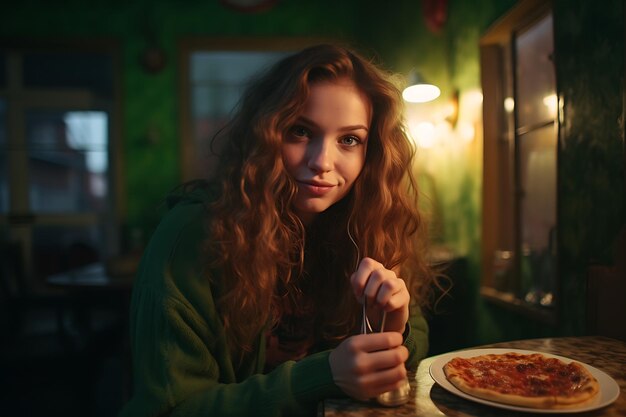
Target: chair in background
41, 365
21, 305
606, 295
451, 315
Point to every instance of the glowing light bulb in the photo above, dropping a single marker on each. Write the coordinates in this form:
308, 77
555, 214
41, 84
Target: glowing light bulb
421, 93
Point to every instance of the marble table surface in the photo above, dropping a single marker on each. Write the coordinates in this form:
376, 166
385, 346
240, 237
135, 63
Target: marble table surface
428, 399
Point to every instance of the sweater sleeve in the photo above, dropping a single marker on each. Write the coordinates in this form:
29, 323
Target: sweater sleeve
416, 337
178, 374
181, 363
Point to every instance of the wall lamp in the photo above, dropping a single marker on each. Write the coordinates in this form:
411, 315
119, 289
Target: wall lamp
418, 90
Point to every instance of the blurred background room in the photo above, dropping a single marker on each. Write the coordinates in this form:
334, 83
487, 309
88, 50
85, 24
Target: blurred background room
105, 106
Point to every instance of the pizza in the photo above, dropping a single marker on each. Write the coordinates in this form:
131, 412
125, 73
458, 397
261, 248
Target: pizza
528, 380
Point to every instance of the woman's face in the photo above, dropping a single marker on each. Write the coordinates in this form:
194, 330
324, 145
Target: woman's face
324, 151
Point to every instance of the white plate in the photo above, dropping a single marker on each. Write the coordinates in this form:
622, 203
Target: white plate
609, 390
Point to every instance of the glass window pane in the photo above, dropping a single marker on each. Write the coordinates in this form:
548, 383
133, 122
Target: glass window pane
537, 159
93, 71
536, 93
68, 160
4, 161
217, 80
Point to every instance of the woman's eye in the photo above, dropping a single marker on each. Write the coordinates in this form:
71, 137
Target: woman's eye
350, 140
300, 132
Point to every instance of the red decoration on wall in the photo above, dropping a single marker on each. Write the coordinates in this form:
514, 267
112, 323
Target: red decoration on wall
153, 59
249, 6
435, 14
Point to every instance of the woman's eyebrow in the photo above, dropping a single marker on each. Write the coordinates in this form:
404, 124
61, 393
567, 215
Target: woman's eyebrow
311, 123
307, 121
354, 127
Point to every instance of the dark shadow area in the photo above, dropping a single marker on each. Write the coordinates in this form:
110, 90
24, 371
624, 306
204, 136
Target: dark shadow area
450, 321
63, 352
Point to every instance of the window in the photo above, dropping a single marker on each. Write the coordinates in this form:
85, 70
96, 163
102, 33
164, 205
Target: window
57, 185
520, 162
67, 160
214, 75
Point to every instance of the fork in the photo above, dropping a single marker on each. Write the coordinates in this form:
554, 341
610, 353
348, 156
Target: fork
399, 395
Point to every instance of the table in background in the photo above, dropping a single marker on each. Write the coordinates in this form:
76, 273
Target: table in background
428, 399
100, 312
91, 277
93, 287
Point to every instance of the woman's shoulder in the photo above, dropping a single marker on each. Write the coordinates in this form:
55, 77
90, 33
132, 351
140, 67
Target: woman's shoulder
175, 248
186, 215
187, 207
193, 192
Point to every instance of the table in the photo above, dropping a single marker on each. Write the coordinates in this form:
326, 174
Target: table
100, 311
428, 399
91, 287
91, 277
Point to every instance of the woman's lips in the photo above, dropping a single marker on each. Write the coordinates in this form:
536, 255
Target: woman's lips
315, 188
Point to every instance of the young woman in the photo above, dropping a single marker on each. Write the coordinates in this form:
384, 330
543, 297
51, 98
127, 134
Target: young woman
250, 295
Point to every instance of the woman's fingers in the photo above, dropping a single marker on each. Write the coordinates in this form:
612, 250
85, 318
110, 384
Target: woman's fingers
361, 276
368, 279
378, 351
382, 290
364, 366
383, 360
391, 294
384, 380
374, 342
381, 283
377, 284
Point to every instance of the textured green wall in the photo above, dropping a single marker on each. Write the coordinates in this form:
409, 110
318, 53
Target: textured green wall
589, 38
150, 102
589, 165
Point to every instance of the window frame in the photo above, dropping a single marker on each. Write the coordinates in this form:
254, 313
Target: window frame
20, 220
186, 47
501, 218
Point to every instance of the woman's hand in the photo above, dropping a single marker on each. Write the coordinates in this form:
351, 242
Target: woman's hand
384, 291
367, 365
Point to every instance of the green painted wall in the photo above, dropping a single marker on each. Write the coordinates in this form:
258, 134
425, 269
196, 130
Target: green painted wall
592, 192
150, 102
396, 33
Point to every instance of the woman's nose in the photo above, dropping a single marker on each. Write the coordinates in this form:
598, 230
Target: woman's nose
320, 155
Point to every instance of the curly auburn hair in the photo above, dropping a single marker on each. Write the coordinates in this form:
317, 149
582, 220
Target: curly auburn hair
265, 254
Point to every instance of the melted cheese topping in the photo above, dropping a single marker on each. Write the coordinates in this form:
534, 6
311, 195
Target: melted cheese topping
527, 375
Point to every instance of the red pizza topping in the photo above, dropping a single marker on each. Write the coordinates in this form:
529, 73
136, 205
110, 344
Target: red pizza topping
528, 375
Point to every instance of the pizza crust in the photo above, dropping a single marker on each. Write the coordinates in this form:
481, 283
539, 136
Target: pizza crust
586, 393
589, 389
510, 399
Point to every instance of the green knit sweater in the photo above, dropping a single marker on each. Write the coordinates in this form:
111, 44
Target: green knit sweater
181, 364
